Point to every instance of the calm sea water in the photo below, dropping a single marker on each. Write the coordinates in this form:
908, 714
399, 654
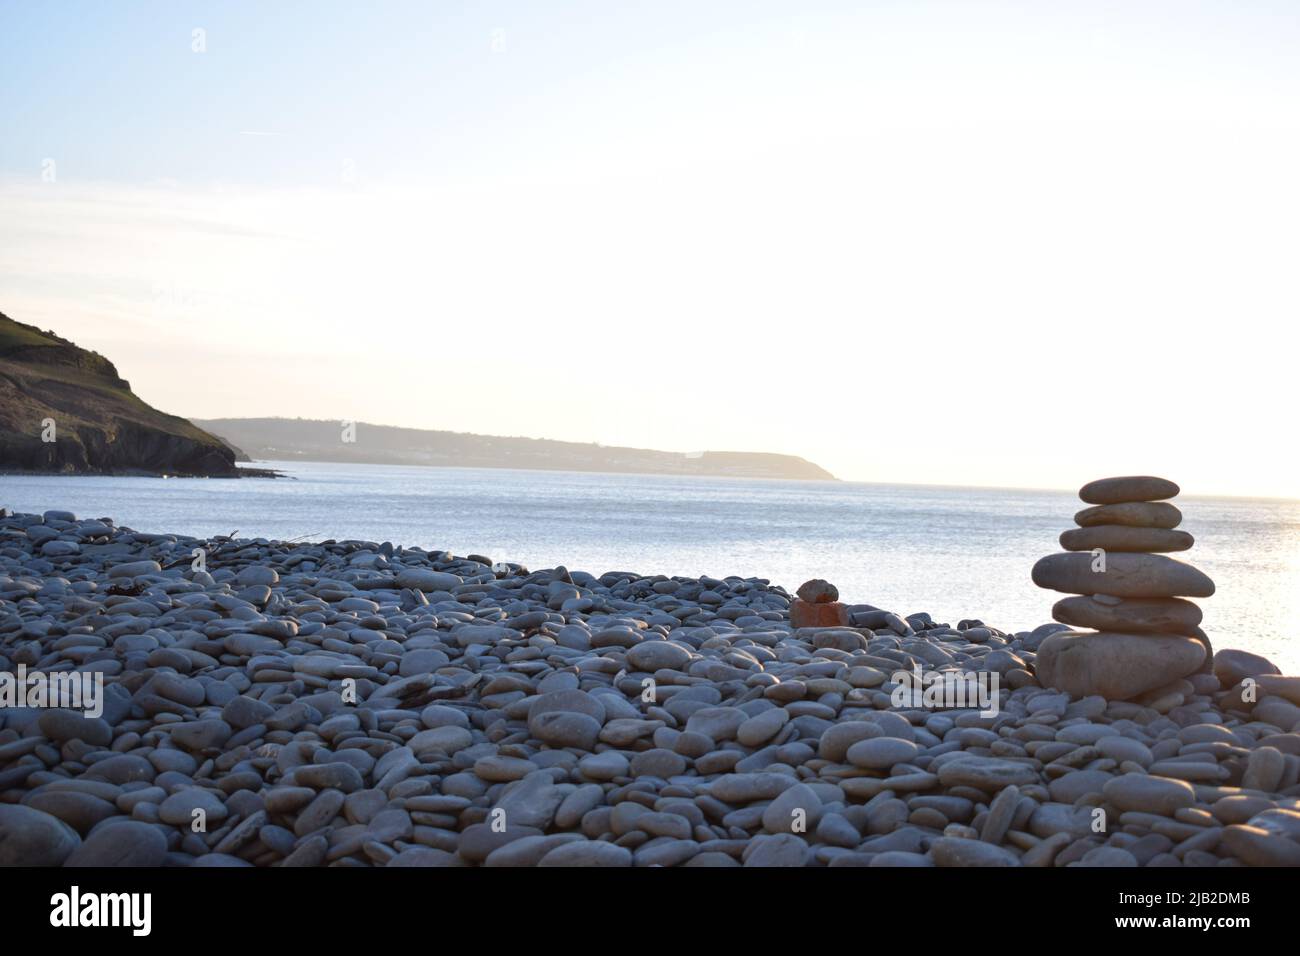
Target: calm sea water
955, 552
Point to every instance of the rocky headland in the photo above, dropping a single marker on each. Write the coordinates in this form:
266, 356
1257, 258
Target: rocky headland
65, 409
354, 703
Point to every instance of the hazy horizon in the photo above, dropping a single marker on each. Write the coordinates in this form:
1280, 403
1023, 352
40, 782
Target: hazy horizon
837, 478
978, 244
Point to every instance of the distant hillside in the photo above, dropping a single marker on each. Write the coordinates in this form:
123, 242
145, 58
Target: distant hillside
100, 426
288, 439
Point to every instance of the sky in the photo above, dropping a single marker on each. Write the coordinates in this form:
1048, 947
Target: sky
973, 243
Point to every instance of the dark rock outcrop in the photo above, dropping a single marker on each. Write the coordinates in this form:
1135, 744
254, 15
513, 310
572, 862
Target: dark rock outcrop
99, 426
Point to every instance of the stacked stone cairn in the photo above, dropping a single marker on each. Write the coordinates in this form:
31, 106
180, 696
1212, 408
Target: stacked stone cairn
1136, 633
817, 604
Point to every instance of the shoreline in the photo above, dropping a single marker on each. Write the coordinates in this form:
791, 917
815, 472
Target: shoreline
832, 481
142, 473
364, 703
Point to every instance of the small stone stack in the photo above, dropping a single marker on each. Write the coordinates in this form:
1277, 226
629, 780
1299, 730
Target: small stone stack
1141, 635
817, 604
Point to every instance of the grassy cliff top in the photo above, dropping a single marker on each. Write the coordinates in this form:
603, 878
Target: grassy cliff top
45, 376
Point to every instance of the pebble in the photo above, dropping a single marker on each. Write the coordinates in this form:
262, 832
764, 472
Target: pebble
1134, 616
818, 591
747, 787
1127, 575
657, 762
29, 837
1265, 769
838, 738
354, 704
1136, 514
121, 842
1115, 666
587, 853
761, 728
1002, 812
528, 851
558, 729
956, 851
1231, 667
1136, 791
1108, 856
1121, 538
797, 809
60, 726
989, 774
1256, 846
652, 656
781, 849
180, 809
79, 810
1112, 491
881, 753
604, 766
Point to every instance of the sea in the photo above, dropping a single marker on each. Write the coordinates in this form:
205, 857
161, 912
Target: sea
958, 553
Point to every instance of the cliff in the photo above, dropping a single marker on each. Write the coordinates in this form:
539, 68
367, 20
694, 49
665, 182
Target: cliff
99, 425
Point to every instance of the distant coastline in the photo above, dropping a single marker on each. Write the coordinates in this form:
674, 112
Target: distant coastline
296, 439
65, 410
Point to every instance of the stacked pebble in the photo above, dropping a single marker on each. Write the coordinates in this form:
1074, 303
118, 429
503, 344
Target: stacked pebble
1142, 635
817, 604
501, 717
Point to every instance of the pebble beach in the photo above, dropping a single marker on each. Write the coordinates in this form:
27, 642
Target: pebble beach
354, 703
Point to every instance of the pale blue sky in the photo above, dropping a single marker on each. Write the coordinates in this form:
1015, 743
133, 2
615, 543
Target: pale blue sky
409, 89
914, 240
